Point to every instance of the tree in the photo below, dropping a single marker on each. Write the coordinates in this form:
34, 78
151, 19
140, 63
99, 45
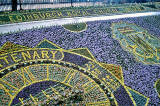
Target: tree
14, 5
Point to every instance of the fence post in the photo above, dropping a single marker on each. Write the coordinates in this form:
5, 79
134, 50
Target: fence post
14, 5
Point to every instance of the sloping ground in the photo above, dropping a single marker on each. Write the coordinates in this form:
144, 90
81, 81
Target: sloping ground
56, 13
120, 56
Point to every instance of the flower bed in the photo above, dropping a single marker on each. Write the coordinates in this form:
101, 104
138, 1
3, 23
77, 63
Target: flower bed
98, 39
45, 14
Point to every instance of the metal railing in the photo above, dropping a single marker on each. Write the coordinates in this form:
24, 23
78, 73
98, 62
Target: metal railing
38, 4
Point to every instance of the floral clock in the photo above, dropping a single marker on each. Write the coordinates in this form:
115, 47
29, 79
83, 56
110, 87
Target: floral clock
49, 75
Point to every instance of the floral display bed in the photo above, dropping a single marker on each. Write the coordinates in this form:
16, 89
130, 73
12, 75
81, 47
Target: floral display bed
108, 63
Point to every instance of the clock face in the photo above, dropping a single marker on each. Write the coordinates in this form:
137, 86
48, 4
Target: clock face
53, 76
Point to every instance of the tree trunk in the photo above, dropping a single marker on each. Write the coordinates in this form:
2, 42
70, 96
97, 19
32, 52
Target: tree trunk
14, 5
20, 3
71, 3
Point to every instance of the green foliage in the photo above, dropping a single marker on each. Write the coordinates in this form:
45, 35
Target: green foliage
158, 86
139, 99
76, 27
